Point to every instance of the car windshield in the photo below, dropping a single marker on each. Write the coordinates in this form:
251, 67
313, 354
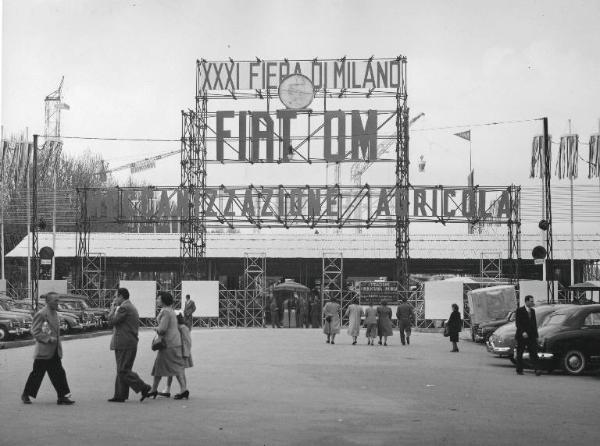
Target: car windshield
555, 319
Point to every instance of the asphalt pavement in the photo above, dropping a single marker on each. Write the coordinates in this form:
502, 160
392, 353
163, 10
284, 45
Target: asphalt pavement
288, 387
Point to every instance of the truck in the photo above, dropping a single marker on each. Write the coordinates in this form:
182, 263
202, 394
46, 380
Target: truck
490, 308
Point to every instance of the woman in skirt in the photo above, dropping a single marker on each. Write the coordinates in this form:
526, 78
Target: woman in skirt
169, 361
186, 352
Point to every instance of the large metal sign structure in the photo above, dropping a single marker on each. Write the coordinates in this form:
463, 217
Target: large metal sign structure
296, 123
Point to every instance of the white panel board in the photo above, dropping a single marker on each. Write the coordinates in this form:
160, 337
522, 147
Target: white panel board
205, 293
537, 289
46, 286
3, 286
142, 294
439, 296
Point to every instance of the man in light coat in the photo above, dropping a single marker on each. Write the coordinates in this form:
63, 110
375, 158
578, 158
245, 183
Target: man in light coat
45, 329
188, 311
125, 320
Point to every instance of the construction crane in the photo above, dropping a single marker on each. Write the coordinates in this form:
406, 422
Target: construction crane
138, 166
360, 167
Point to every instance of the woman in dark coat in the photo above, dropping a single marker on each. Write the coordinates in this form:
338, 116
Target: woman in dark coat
454, 326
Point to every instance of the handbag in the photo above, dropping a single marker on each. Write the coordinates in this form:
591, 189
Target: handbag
446, 330
158, 343
328, 319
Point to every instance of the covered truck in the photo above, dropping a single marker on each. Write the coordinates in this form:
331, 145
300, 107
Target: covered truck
489, 308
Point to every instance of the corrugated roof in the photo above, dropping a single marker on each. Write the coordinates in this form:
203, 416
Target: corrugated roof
295, 245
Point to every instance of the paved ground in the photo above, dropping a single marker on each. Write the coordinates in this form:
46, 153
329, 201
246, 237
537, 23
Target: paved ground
279, 387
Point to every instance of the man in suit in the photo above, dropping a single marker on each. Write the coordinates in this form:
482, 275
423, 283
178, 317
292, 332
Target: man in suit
527, 334
47, 354
406, 316
125, 321
188, 311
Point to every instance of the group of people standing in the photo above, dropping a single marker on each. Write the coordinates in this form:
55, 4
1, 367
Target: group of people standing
172, 358
377, 321
306, 311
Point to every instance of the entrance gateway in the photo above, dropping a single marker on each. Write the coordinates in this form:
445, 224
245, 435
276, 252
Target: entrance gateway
311, 111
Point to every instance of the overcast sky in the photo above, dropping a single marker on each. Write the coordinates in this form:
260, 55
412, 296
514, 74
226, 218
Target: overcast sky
129, 70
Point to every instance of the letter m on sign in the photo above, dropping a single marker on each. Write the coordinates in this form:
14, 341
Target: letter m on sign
365, 137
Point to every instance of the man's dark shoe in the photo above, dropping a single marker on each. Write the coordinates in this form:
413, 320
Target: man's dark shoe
64, 400
116, 400
519, 372
538, 372
25, 399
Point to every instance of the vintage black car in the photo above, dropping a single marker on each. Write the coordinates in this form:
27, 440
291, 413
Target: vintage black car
482, 332
570, 339
502, 341
98, 316
69, 322
13, 323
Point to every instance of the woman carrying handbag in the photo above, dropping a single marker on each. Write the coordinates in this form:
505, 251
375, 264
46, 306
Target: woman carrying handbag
169, 360
453, 327
186, 352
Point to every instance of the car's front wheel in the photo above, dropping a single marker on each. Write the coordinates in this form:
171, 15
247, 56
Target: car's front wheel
574, 362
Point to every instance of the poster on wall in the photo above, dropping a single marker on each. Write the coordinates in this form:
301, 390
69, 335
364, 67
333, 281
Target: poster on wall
47, 286
439, 296
142, 294
205, 294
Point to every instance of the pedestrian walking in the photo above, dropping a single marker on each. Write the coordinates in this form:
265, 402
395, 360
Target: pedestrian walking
186, 353
303, 308
45, 329
527, 335
331, 326
188, 311
384, 322
354, 313
125, 320
169, 361
454, 327
275, 320
406, 316
315, 312
371, 323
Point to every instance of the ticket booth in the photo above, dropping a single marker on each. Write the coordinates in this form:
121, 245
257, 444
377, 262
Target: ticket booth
292, 302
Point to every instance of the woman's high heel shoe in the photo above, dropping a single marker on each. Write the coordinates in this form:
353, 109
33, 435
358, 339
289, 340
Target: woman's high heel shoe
182, 395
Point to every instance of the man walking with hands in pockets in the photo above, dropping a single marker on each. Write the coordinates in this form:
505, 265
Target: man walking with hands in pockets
125, 320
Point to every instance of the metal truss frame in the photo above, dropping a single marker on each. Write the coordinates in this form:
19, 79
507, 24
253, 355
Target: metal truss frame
193, 181
93, 270
332, 279
402, 184
490, 264
255, 267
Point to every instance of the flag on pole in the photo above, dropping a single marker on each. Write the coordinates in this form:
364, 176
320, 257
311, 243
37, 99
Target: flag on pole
464, 135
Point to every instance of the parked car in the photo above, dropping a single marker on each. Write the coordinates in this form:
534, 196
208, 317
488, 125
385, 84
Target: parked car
482, 332
570, 339
13, 324
502, 342
69, 322
100, 315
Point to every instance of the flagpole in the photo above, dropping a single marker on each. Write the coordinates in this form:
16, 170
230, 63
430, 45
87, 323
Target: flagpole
470, 169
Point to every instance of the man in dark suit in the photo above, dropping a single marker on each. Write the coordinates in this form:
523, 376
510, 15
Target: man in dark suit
125, 320
188, 311
406, 316
527, 334
48, 353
